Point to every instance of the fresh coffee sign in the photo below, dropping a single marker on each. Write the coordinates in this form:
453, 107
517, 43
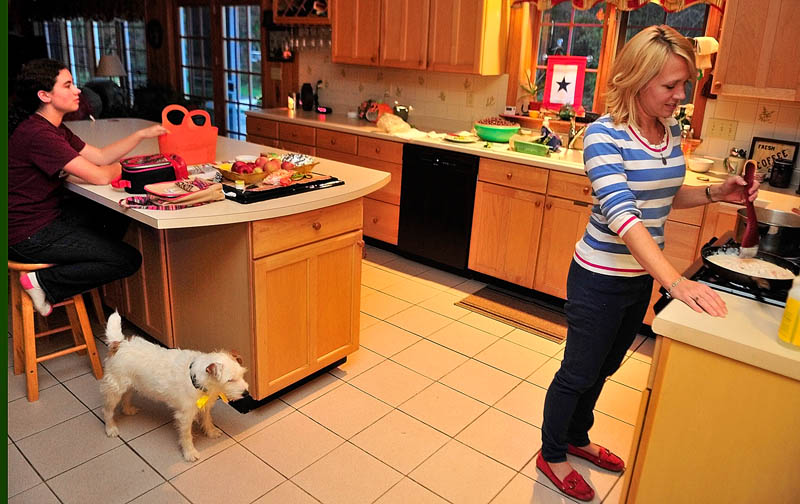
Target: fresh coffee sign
764, 151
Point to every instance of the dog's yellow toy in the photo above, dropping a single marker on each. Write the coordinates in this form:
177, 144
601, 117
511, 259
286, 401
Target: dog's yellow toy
204, 399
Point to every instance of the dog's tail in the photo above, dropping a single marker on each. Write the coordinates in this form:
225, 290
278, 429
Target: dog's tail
114, 329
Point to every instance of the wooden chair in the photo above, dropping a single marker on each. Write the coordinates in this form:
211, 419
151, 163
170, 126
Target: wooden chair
24, 332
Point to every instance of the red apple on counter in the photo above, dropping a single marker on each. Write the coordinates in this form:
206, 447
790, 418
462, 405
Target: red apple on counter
238, 166
261, 161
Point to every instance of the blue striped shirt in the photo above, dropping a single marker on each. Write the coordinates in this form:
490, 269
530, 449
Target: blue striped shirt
632, 181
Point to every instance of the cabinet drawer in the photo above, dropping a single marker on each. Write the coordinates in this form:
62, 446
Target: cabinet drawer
282, 233
380, 149
381, 220
692, 216
513, 175
567, 185
262, 127
337, 141
257, 139
296, 133
390, 193
296, 147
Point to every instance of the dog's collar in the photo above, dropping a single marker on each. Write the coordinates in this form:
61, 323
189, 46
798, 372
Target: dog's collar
204, 399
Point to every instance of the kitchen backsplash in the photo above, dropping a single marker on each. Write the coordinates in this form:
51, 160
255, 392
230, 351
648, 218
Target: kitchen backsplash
441, 101
755, 118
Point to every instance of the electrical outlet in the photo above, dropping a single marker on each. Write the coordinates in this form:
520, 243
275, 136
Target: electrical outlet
722, 128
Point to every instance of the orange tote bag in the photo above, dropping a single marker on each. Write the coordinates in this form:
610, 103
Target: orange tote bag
195, 144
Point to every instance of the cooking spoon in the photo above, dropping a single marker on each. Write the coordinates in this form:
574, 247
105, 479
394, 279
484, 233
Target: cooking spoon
749, 246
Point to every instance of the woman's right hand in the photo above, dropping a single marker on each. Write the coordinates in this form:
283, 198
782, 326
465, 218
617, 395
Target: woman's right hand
700, 298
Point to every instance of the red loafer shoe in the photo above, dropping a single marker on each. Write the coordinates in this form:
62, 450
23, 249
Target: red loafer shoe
573, 484
606, 459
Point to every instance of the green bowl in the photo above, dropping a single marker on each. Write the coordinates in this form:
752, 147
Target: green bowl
495, 133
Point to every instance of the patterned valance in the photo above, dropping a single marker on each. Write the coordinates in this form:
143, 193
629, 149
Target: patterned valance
99, 10
629, 5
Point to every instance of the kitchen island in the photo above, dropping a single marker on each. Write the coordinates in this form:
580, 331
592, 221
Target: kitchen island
718, 418
278, 280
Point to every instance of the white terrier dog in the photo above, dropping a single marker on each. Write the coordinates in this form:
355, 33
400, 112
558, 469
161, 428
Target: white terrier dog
188, 381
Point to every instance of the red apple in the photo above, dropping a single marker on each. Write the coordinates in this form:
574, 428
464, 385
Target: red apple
238, 166
261, 161
286, 165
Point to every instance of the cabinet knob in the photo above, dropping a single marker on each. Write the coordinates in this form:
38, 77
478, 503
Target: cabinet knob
374, 220
509, 175
377, 150
372, 59
586, 190
294, 133
316, 226
716, 86
537, 204
333, 141
548, 206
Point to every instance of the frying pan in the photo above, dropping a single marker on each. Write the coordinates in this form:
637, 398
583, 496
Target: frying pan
760, 283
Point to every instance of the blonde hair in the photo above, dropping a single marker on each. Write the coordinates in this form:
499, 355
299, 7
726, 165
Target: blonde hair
640, 60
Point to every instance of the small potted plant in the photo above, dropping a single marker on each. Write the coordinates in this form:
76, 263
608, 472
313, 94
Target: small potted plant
530, 89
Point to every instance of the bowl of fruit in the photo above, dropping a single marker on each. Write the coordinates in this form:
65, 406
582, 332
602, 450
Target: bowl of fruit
495, 129
250, 172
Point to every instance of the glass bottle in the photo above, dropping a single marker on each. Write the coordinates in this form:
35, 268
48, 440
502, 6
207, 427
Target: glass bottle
686, 144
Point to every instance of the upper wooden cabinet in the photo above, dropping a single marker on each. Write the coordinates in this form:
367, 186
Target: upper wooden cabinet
758, 52
464, 36
404, 32
468, 36
355, 31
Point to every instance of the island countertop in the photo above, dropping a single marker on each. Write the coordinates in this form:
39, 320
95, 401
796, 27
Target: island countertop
359, 182
748, 334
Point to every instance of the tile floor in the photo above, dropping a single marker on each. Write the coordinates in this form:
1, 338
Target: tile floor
438, 405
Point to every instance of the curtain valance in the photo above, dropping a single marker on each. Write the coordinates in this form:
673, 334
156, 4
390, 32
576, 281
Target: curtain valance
629, 5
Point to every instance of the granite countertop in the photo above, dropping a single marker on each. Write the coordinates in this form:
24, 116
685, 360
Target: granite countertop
748, 334
359, 182
568, 160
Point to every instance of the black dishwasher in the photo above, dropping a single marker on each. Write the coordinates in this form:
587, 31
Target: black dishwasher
436, 199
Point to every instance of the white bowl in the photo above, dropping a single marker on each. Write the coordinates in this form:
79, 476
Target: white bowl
700, 164
246, 159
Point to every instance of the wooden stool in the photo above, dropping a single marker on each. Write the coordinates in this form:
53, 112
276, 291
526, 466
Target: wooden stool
24, 333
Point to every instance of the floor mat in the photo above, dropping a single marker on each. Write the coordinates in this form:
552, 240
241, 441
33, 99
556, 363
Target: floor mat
519, 312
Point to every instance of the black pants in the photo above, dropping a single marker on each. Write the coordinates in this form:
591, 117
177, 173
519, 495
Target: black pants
85, 244
604, 314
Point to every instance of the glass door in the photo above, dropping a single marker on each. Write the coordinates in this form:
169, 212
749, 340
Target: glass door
196, 65
241, 40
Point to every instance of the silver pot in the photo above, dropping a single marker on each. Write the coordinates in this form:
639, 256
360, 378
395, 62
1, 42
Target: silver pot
779, 232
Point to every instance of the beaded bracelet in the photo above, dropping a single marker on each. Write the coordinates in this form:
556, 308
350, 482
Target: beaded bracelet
672, 286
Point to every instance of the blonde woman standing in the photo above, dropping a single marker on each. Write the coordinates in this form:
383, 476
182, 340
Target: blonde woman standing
633, 159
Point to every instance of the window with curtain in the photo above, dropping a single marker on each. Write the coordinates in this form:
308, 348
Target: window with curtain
79, 44
241, 38
570, 31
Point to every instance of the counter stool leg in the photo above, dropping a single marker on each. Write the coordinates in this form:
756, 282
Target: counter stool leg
98, 306
75, 324
86, 329
29, 335
16, 324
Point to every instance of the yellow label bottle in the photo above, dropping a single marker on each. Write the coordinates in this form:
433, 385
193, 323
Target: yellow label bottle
789, 331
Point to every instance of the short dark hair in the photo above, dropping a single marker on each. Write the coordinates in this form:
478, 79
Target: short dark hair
36, 75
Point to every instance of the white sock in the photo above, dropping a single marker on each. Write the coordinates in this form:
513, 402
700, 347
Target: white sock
30, 283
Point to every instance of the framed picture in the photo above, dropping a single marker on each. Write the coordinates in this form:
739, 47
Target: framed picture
764, 151
564, 81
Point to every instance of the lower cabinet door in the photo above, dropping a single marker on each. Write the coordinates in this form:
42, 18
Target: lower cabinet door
306, 309
381, 220
563, 225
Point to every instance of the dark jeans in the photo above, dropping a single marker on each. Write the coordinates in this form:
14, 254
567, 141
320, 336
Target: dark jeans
604, 314
85, 244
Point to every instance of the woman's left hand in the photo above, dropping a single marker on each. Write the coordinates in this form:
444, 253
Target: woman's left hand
732, 190
153, 131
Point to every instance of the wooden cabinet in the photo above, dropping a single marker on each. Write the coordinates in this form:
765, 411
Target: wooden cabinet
404, 31
563, 224
758, 51
468, 36
355, 31
720, 218
506, 224
463, 36
306, 304
144, 297
297, 12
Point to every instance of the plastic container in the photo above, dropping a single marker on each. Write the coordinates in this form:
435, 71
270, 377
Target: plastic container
789, 330
495, 133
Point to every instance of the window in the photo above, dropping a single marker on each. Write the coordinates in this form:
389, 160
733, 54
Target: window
80, 44
196, 64
571, 32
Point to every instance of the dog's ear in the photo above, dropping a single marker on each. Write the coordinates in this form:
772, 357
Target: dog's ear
238, 358
215, 370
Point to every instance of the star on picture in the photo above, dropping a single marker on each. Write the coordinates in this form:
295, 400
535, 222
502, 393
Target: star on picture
564, 82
